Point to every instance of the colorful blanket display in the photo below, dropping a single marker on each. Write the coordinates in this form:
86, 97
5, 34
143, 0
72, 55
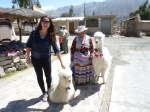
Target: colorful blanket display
12, 57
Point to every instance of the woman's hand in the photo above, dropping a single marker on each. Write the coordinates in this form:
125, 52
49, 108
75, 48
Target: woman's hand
28, 61
91, 56
71, 58
59, 57
62, 65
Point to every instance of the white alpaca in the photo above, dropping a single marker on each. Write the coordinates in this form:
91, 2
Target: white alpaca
64, 91
101, 58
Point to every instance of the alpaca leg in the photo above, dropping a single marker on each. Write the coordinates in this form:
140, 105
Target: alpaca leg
96, 76
103, 71
77, 93
95, 79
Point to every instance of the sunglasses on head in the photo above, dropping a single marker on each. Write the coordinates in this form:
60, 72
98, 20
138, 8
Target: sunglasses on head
43, 21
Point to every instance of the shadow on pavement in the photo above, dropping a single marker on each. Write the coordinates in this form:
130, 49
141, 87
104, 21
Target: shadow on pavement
22, 105
85, 92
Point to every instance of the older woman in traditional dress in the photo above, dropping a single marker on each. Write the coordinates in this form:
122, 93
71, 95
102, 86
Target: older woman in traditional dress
81, 53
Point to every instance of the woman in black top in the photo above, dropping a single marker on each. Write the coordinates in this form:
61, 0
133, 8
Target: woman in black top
39, 44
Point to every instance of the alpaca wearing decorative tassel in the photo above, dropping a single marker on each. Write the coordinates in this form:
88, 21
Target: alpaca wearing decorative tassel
101, 60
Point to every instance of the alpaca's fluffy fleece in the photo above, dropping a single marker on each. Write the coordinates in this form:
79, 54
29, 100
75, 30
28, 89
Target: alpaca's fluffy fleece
101, 60
64, 91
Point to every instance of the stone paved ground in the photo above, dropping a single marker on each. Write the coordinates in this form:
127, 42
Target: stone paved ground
21, 93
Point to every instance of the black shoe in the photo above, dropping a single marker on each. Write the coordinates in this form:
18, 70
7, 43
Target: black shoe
64, 53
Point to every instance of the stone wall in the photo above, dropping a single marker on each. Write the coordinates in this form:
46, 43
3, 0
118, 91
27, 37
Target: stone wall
144, 26
12, 57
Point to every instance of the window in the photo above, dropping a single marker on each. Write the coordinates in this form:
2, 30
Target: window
81, 23
92, 23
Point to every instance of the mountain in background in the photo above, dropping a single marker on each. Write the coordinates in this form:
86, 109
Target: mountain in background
120, 8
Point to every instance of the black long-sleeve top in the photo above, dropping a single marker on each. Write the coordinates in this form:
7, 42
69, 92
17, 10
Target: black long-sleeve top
40, 48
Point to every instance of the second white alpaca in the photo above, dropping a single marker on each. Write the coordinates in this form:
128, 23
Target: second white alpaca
101, 60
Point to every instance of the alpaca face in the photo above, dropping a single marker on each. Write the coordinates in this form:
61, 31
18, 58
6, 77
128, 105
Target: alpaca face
99, 37
65, 77
98, 42
65, 80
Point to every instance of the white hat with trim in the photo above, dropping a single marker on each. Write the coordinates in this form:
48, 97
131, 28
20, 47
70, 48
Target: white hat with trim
80, 29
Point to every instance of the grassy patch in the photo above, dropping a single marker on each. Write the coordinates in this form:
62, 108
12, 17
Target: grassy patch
12, 73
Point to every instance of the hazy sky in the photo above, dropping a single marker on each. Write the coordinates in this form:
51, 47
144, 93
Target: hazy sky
50, 4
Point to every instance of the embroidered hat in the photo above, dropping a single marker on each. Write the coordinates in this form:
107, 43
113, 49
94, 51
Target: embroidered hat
80, 29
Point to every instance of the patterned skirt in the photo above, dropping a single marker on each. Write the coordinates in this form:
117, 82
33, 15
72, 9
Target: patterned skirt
83, 69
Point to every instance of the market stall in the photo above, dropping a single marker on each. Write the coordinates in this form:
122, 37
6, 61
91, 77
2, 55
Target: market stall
12, 52
21, 14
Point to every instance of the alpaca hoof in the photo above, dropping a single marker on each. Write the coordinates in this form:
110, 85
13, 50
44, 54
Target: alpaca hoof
104, 83
95, 82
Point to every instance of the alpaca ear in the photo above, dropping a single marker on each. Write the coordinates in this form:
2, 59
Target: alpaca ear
102, 35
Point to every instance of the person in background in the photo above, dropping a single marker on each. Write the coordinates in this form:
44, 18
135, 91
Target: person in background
61, 34
81, 57
65, 40
39, 43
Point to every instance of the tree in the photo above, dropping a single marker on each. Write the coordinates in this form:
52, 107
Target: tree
71, 13
38, 4
23, 3
93, 13
27, 3
13, 6
64, 15
14, 2
143, 11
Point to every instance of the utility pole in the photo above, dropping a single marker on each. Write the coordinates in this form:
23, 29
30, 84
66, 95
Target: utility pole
84, 8
84, 14
30, 4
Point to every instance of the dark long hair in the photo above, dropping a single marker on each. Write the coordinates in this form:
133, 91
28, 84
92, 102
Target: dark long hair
50, 31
